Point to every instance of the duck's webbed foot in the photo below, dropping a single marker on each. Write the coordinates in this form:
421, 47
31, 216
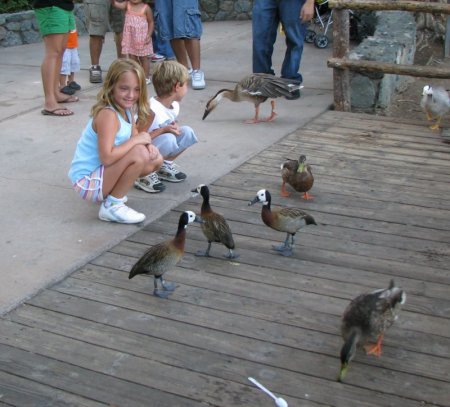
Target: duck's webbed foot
167, 288
231, 255
283, 191
374, 349
307, 196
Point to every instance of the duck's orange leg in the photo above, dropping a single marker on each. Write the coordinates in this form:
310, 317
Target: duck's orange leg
283, 191
375, 349
436, 125
256, 119
272, 113
307, 196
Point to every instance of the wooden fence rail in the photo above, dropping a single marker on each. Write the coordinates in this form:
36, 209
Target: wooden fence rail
341, 44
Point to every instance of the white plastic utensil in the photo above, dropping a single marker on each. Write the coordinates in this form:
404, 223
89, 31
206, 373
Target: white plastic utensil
279, 402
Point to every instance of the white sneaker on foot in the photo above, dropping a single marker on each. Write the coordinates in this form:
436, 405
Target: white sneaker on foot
198, 79
119, 213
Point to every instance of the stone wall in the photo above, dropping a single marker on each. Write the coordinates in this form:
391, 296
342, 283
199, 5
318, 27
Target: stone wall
394, 41
21, 28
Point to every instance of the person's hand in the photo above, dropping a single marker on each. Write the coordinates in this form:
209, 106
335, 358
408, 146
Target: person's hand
173, 128
307, 11
142, 138
153, 151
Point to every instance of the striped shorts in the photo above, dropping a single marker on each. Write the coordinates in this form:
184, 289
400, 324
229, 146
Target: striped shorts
90, 186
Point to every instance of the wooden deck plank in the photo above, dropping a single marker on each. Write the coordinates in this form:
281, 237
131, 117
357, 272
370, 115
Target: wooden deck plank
381, 203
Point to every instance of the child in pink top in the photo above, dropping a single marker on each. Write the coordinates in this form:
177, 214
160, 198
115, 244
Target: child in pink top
137, 32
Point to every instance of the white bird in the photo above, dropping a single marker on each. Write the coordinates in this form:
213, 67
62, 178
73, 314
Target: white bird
436, 103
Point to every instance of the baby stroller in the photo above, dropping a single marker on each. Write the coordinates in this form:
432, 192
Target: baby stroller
323, 18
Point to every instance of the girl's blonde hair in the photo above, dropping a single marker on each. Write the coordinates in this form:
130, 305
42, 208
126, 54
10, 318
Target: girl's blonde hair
105, 96
166, 75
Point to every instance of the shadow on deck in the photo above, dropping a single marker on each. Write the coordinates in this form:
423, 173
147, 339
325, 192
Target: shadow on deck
381, 198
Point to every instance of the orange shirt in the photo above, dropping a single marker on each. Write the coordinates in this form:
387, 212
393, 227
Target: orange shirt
72, 41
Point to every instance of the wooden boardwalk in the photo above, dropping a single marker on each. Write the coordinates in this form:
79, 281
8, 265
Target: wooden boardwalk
382, 201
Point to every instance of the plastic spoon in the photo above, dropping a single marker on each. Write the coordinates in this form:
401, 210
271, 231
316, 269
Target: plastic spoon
279, 402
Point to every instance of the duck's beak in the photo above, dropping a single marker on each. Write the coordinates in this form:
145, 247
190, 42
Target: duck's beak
253, 201
206, 113
343, 372
198, 219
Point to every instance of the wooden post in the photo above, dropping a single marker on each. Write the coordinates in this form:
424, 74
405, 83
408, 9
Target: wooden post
341, 44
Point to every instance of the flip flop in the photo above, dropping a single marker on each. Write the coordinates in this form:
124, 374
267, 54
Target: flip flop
54, 112
70, 99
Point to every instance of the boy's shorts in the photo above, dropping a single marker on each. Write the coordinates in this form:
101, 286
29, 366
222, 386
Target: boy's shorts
54, 20
90, 186
170, 145
180, 20
70, 61
101, 15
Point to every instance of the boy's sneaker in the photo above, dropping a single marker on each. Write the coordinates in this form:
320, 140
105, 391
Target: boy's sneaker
150, 183
198, 79
67, 90
95, 74
157, 57
119, 213
74, 85
169, 172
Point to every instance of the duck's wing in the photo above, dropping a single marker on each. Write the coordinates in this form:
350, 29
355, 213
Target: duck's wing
269, 86
441, 101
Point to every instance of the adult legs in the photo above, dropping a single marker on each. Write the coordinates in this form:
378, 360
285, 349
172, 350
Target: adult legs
265, 20
95, 48
50, 71
295, 35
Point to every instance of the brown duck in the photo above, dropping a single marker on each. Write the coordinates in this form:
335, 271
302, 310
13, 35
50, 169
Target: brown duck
298, 174
289, 220
214, 226
365, 321
164, 256
256, 88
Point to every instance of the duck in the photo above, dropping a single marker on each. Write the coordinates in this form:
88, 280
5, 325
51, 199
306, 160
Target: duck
160, 258
257, 88
298, 174
214, 226
365, 321
289, 220
436, 103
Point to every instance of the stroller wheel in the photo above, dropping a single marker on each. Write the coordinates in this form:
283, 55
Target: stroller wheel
321, 41
310, 36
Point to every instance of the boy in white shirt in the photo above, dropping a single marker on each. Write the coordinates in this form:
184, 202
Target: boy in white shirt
170, 80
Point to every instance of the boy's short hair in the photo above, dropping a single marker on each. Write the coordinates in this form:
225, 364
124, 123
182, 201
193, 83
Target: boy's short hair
166, 75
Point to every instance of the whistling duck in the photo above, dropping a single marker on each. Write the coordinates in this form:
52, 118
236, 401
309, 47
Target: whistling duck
436, 103
298, 174
289, 220
164, 256
256, 88
214, 226
366, 319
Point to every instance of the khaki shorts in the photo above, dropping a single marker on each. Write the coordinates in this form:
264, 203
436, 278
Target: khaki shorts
101, 17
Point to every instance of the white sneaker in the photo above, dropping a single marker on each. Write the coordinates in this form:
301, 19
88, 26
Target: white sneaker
169, 172
148, 81
157, 57
198, 79
119, 213
150, 183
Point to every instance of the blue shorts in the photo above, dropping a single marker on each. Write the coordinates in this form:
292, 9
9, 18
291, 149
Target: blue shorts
170, 145
178, 19
70, 62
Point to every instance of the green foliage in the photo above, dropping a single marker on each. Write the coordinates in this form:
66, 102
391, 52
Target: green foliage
12, 6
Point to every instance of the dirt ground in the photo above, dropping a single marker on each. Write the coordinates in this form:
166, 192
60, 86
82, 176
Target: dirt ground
406, 103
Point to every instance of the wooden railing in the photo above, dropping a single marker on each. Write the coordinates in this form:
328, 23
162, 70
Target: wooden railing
341, 45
